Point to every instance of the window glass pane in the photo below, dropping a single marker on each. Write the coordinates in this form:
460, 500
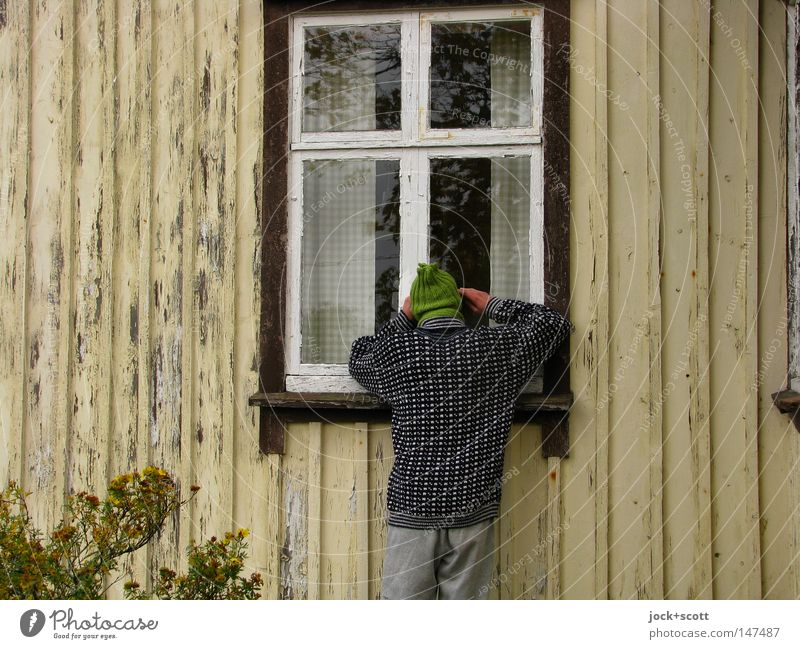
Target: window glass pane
480, 74
350, 253
480, 223
351, 78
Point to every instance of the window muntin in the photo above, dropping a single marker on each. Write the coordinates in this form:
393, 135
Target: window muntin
511, 147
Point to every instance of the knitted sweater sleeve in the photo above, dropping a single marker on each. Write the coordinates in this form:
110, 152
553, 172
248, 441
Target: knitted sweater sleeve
536, 332
362, 365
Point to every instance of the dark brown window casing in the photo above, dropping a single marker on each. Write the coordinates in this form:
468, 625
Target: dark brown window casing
275, 405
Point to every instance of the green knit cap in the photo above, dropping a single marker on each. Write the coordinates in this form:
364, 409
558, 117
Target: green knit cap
434, 293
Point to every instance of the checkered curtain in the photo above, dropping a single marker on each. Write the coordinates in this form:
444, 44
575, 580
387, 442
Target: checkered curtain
509, 248
511, 77
338, 258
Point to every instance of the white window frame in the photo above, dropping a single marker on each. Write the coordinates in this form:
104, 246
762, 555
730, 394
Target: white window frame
413, 144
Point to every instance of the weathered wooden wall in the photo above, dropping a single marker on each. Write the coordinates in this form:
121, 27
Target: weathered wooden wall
129, 289
683, 481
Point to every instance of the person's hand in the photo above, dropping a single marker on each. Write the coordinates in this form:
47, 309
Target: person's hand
407, 308
476, 300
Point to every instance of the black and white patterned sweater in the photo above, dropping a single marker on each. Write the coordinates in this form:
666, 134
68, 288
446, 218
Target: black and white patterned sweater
452, 390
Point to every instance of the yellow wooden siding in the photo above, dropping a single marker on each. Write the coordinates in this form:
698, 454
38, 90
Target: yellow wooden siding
130, 159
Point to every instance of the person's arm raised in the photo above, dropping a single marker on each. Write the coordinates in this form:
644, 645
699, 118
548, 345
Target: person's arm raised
537, 330
362, 366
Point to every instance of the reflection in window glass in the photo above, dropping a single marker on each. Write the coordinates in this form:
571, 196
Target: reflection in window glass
480, 224
351, 78
480, 74
350, 253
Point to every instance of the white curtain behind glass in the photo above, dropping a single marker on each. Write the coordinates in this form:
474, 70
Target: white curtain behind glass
338, 258
509, 249
511, 78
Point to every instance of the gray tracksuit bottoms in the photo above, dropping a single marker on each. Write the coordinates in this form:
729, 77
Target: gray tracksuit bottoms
443, 563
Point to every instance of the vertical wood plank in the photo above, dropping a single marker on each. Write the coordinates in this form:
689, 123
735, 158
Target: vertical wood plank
522, 528
535, 532
50, 236
256, 478
294, 519
553, 537
314, 509
341, 558
273, 527
15, 69
733, 260
599, 341
751, 580
94, 245
653, 524
186, 234
128, 444
360, 522
777, 459
684, 284
171, 376
381, 456
584, 570
216, 59
634, 299
700, 402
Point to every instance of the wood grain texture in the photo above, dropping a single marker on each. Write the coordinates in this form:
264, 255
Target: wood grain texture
216, 63
635, 558
130, 309
653, 515
15, 160
733, 258
585, 476
521, 529
314, 507
171, 377
597, 340
48, 286
341, 558
381, 459
94, 213
94, 245
255, 483
294, 499
684, 284
552, 538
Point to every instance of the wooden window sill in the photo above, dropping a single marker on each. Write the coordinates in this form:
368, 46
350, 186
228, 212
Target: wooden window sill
787, 401
279, 408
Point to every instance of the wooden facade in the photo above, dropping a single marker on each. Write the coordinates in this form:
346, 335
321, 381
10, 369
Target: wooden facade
131, 194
